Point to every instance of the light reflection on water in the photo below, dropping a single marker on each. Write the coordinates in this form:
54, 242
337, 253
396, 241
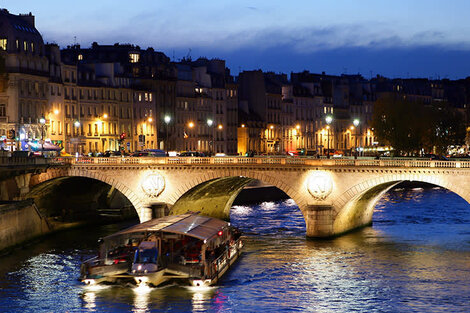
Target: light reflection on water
415, 258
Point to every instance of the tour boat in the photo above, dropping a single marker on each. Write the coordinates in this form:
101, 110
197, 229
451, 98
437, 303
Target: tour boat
189, 248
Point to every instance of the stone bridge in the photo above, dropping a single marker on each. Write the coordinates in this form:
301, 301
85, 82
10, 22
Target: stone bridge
334, 195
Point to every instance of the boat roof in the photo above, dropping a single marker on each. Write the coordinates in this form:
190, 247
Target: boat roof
193, 225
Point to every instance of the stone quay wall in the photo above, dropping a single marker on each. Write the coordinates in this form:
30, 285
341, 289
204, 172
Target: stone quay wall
20, 221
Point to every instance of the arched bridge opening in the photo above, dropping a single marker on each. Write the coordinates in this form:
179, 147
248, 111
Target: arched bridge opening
357, 211
72, 199
413, 210
245, 200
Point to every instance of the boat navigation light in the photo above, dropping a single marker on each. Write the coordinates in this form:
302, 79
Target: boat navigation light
139, 267
220, 233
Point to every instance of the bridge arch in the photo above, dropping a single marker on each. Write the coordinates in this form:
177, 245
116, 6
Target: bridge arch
191, 196
63, 173
355, 206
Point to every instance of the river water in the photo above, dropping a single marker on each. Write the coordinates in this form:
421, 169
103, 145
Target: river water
415, 258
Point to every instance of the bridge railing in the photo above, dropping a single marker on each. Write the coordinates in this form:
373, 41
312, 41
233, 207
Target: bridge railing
258, 160
19, 161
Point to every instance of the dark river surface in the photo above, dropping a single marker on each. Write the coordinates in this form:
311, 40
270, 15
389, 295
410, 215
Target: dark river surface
415, 258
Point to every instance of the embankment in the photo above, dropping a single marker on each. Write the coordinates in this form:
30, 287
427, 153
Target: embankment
20, 221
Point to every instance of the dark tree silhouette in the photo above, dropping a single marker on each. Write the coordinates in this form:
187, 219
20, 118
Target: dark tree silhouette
409, 126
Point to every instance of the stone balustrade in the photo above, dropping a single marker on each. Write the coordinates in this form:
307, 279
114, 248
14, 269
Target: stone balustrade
404, 163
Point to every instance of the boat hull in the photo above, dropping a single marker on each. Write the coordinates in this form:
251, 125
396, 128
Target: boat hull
103, 273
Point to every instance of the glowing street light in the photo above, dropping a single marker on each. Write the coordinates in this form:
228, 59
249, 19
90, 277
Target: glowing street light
356, 123
210, 122
296, 133
167, 120
42, 121
328, 120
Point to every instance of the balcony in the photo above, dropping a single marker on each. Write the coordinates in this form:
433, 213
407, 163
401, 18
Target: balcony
15, 69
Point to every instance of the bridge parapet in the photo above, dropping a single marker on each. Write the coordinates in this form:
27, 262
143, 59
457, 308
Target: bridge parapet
404, 163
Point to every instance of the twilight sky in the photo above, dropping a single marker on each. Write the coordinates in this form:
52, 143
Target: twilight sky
400, 38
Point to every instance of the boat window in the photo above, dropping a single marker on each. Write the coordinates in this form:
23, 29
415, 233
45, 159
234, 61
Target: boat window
146, 256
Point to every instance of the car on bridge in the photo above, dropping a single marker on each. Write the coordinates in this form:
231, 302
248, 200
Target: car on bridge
149, 153
436, 157
192, 154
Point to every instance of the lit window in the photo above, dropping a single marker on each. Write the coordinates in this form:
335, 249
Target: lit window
32, 47
17, 44
134, 57
80, 57
25, 46
150, 96
146, 96
140, 97
3, 44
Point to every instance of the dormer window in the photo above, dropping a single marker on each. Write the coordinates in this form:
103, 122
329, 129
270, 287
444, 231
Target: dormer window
80, 57
134, 57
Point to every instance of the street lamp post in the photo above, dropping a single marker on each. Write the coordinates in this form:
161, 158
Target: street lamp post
328, 120
42, 121
77, 125
297, 134
220, 127
190, 126
210, 122
356, 124
167, 120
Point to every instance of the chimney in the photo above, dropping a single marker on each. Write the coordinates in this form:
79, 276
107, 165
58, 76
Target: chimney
29, 18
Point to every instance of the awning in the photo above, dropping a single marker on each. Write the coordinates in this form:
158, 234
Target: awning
193, 225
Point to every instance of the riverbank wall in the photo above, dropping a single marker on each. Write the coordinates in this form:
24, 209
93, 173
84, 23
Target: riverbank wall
20, 221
